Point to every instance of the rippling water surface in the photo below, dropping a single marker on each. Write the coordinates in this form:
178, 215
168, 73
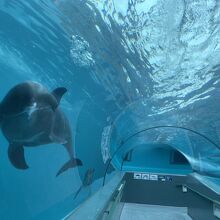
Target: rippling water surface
158, 61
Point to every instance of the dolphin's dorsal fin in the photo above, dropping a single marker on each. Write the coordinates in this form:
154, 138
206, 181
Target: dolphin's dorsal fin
16, 156
58, 93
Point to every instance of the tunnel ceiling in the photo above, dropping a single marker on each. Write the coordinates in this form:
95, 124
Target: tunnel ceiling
157, 62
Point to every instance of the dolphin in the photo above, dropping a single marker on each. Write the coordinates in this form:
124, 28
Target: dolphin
30, 116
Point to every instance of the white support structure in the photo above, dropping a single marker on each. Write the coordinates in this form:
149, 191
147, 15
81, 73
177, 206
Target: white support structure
94, 206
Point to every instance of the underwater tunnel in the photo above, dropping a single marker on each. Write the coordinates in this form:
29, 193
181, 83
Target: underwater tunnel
109, 109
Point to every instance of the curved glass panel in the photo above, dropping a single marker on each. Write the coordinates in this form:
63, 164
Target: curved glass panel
139, 124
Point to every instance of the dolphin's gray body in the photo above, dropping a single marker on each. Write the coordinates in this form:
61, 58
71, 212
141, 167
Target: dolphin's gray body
30, 116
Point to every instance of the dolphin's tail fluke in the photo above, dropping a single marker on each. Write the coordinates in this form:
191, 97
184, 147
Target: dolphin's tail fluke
70, 164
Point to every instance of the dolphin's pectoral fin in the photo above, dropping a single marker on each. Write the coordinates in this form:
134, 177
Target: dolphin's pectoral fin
16, 156
70, 164
58, 93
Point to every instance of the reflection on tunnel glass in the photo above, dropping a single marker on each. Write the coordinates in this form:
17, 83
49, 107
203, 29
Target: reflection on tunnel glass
87, 181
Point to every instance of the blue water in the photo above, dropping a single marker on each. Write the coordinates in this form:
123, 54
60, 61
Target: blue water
127, 67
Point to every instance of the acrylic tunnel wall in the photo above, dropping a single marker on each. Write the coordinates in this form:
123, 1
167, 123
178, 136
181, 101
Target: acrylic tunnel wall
141, 77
